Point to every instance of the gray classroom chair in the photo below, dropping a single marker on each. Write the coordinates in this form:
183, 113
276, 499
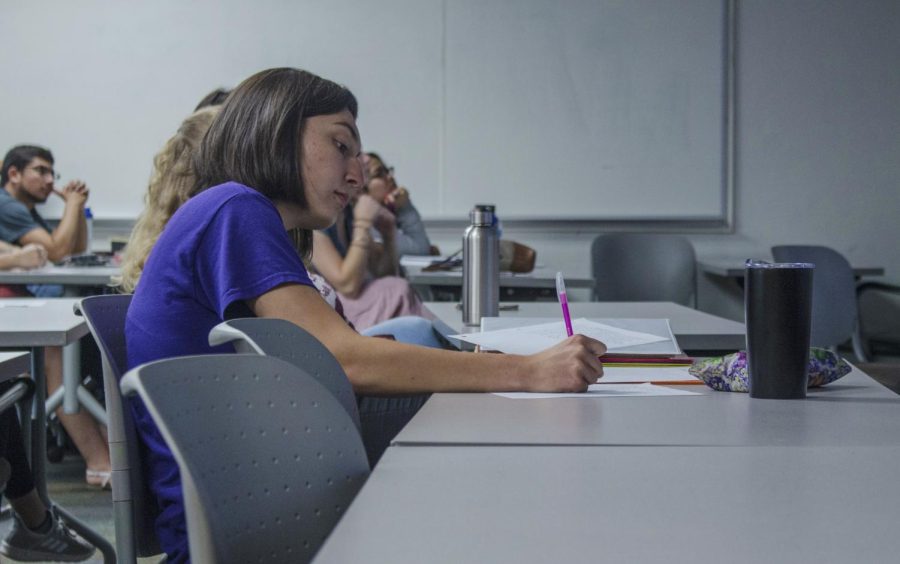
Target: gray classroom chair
879, 317
269, 459
835, 316
134, 506
632, 267
287, 341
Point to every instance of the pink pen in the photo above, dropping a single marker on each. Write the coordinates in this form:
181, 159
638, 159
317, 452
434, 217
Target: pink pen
563, 302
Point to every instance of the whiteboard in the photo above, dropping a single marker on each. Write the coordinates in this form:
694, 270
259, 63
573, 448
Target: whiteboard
609, 109
555, 111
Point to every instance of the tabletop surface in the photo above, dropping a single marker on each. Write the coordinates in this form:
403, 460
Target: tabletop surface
694, 330
66, 275
39, 322
854, 411
734, 268
538, 278
624, 504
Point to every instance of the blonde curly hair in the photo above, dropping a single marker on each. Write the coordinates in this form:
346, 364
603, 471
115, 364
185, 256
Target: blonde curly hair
172, 183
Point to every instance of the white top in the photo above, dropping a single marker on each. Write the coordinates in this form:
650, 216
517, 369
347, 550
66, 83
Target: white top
33, 322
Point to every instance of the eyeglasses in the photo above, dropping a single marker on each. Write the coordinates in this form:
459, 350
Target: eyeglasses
44, 171
382, 172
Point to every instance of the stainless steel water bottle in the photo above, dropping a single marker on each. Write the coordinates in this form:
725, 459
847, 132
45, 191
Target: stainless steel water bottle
481, 266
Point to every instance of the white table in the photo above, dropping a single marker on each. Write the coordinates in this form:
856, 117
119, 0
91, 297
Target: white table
527, 505
52, 323
720, 284
854, 411
694, 330
64, 275
734, 268
717, 477
73, 278
541, 282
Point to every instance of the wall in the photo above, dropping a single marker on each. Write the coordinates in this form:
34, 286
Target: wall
818, 128
818, 138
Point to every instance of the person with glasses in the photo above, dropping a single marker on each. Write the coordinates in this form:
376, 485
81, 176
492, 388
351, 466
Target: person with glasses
28, 178
358, 256
381, 184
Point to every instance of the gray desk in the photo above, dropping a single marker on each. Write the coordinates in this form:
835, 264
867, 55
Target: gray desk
64, 275
693, 329
720, 284
734, 268
624, 504
854, 411
73, 278
541, 282
52, 324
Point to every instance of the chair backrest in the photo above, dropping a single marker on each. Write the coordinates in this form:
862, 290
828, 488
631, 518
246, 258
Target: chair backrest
644, 267
834, 309
134, 506
284, 340
269, 459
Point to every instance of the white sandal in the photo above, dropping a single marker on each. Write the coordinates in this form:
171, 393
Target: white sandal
99, 479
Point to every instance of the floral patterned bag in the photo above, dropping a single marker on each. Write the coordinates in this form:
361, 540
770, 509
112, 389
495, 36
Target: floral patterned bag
729, 373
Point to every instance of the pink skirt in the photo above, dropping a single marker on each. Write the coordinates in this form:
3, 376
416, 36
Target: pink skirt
383, 299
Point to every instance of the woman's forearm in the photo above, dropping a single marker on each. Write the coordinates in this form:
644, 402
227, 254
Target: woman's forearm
384, 260
381, 366
346, 274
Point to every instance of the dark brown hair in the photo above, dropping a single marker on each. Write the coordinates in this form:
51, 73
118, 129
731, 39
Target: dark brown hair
19, 157
255, 140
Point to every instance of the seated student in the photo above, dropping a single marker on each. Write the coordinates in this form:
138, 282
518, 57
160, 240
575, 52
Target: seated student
36, 534
27, 177
382, 186
226, 253
358, 257
27, 257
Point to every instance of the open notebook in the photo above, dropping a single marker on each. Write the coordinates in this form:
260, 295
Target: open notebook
527, 335
647, 347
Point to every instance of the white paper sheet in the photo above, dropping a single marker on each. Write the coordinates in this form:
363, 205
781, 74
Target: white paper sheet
535, 338
605, 391
632, 374
25, 302
420, 260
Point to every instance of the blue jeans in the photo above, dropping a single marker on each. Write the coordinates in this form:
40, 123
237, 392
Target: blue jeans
409, 329
46, 290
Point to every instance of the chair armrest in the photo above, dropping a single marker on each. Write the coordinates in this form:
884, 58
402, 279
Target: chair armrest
877, 286
225, 333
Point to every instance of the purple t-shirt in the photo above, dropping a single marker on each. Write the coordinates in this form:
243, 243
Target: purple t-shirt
225, 245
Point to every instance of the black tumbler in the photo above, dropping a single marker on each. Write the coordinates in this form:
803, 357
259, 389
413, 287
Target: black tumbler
777, 311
